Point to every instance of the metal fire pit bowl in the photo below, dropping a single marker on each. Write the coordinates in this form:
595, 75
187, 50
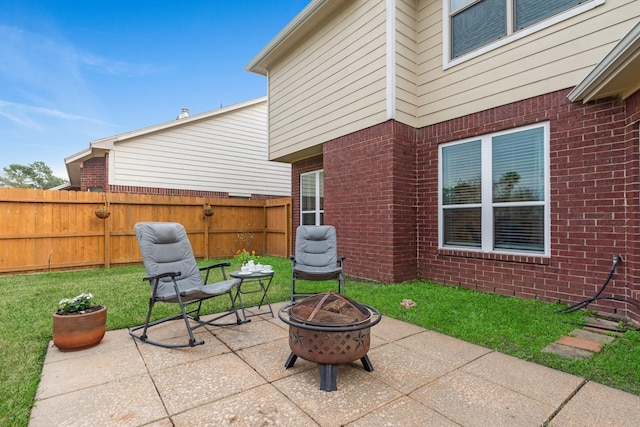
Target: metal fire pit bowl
329, 329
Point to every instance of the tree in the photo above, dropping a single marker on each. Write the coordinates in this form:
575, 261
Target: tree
35, 175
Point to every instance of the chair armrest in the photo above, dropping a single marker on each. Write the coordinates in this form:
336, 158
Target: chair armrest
220, 265
172, 274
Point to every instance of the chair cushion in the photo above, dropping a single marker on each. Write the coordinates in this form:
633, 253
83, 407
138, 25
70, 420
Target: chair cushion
207, 291
316, 246
165, 248
316, 273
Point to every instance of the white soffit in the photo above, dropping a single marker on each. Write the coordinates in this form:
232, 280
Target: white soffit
616, 75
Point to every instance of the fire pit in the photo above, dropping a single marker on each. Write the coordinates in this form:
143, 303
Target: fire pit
329, 329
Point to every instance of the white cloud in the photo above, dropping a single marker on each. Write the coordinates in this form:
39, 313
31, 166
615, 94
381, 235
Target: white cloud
22, 114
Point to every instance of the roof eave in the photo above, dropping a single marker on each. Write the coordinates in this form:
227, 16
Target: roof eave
257, 64
622, 59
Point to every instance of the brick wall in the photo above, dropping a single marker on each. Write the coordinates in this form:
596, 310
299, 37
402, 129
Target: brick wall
369, 196
166, 191
94, 173
591, 204
381, 193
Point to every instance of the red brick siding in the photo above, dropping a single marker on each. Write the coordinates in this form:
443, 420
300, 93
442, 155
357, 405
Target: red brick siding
369, 196
166, 191
381, 193
590, 203
94, 173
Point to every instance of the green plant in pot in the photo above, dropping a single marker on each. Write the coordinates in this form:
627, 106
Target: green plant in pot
78, 323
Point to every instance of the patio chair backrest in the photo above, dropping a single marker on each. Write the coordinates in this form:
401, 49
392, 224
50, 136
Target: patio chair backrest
316, 246
165, 247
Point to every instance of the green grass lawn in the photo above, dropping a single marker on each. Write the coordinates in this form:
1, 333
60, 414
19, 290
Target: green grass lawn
517, 327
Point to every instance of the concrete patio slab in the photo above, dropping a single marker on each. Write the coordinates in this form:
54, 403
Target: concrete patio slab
358, 394
99, 367
406, 412
473, 401
599, 405
269, 358
249, 334
238, 378
192, 384
159, 357
260, 406
538, 382
131, 401
442, 347
416, 369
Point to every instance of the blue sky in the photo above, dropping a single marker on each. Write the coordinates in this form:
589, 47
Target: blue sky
73, 71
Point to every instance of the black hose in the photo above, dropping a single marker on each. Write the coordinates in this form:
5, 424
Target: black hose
584, 303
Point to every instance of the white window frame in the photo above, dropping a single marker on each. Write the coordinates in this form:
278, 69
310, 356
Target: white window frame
316, 210
511, 35
487, 204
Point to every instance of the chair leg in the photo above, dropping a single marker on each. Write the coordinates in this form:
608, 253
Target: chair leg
185, 316
143, 336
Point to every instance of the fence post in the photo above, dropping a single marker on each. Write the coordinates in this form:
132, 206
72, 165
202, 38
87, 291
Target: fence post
107, 242
206, 236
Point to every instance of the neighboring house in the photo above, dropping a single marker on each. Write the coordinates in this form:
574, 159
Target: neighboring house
220, 153
487, 144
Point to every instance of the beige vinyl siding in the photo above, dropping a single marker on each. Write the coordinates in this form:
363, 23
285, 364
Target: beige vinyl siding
554, 58
406, 62
331, 84
226, 153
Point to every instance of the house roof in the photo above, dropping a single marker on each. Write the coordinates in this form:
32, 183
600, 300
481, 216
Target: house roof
294, 31
616, 75
100, 147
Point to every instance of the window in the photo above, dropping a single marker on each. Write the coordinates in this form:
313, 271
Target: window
494, 192
473, 24
312, 198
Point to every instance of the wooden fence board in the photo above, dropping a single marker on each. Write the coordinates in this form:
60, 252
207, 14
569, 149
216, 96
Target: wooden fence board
55, 230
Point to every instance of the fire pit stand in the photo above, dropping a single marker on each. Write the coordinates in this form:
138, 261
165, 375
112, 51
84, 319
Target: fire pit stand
329, 329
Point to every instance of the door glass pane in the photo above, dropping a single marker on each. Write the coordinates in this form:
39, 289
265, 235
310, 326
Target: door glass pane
462, 227
519, 228
477, 26
309, 218
321, 192
461, 168
308, 192
529, 12
518, 166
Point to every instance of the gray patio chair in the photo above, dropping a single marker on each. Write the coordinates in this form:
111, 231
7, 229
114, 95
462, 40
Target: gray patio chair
316, 258
174, 277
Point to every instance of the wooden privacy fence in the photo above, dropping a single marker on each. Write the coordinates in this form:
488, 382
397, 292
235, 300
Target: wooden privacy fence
43, 230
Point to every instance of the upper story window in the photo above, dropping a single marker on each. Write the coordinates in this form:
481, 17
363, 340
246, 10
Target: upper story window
312, 198
494, 192
473, 27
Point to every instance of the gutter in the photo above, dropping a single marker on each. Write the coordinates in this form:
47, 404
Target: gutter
616, 60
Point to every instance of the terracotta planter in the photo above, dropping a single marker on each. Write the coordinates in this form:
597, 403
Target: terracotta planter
73, 332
